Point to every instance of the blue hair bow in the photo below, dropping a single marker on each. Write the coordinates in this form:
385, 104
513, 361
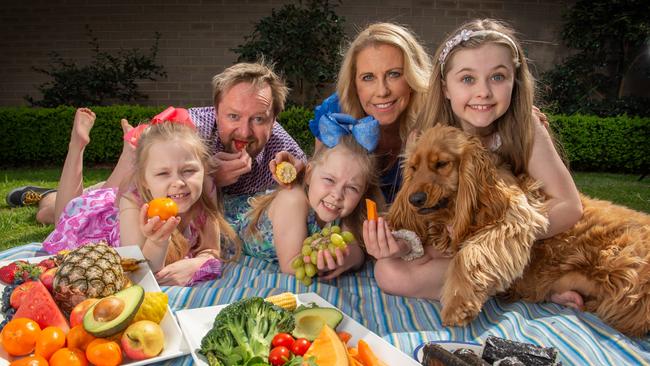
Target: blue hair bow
332, 126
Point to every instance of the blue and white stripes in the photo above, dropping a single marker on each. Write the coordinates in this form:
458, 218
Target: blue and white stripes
581, 338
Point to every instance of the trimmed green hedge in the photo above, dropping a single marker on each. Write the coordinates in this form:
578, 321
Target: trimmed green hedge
612, 144
40, 136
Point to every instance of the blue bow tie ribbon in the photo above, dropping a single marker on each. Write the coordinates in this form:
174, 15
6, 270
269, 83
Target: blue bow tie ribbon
332, 126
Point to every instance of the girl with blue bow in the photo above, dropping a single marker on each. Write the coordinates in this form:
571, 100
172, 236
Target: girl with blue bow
338, 177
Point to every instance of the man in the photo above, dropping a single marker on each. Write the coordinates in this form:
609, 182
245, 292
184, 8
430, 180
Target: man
241, 130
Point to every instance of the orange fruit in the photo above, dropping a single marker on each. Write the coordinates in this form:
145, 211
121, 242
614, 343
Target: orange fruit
102, 352
19, 336
79, 338
328, 349
50, 341
163, 208
30, 361
68, 357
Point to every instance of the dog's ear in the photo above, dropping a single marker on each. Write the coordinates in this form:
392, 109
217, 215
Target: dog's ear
481, 200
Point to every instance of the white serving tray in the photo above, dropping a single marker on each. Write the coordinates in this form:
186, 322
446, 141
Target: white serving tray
196, 323
175, 344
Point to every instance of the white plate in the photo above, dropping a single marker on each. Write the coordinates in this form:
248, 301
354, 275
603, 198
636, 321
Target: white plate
449, 346
175, 345
196, 323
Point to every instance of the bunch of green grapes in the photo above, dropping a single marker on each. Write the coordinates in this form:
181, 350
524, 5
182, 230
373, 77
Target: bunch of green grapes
329, 238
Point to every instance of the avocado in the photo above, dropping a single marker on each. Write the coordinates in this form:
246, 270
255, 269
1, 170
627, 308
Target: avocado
310, 321
112, 314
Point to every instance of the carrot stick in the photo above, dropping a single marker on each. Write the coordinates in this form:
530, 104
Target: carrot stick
368, 358
371, 208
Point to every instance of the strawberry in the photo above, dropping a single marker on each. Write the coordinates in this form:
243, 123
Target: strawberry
8, 272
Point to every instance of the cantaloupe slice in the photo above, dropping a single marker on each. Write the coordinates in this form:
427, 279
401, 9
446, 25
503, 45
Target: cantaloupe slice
328, 349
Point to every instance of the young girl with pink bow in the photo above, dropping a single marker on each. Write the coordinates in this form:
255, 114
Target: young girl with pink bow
170, 161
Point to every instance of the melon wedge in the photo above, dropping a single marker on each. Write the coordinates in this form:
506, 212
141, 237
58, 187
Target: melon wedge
328, 349
39, 306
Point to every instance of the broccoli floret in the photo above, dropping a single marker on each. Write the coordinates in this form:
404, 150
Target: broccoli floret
244, 330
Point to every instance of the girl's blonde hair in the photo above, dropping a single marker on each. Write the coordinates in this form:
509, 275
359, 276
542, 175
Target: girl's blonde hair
417, 67
366, 161
206, 205
515, 127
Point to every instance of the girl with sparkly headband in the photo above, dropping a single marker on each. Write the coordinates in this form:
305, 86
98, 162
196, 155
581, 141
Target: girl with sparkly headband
171, 161
339, 175
481, 83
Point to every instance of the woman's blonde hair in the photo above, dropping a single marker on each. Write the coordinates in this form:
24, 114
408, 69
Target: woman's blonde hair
206, 205
515, 127
366, 161
417, 67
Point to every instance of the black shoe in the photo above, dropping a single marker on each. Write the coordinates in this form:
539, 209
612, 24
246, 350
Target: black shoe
27, 195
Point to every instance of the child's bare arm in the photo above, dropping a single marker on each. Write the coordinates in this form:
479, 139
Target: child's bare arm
563, 204
288, 213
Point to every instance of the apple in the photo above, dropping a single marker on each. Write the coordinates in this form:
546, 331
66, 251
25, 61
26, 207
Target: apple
47, 278
143, 339
78, 312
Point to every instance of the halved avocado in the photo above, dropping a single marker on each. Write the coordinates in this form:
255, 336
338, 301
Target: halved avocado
310, 321
111, 315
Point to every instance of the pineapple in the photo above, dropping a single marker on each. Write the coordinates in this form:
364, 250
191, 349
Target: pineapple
93, 270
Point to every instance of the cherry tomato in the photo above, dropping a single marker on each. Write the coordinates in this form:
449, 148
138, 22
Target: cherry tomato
162, 207
283, 339
240, 145
300, 346
279, 356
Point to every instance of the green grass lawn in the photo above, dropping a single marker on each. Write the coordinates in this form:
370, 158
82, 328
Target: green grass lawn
18, 226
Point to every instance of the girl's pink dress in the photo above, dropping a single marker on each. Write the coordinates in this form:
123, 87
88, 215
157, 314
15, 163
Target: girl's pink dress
94, 216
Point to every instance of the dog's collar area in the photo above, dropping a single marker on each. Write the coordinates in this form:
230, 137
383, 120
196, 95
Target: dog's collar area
442, 203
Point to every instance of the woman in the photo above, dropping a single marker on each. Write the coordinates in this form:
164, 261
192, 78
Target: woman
384, 74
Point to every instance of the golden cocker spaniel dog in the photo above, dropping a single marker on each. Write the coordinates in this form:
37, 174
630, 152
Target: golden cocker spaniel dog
455, 199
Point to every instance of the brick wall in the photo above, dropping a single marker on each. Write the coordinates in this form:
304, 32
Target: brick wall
197, 34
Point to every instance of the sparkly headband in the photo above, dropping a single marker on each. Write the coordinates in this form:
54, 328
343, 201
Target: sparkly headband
465, 35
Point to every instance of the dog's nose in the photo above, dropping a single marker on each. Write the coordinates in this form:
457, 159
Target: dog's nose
417, 199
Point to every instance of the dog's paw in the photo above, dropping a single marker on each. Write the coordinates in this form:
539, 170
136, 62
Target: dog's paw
458, 313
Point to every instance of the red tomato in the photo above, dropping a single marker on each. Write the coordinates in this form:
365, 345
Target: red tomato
279, 356
300, 346
283, 339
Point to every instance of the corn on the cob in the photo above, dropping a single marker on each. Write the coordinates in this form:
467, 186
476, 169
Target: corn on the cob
285, 300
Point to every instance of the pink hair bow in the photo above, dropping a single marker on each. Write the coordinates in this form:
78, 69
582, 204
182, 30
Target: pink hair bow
171, 114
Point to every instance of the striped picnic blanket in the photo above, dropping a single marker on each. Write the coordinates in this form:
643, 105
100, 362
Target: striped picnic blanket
581, 338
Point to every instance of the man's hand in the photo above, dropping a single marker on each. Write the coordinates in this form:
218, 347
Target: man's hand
286, 156
230, 166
